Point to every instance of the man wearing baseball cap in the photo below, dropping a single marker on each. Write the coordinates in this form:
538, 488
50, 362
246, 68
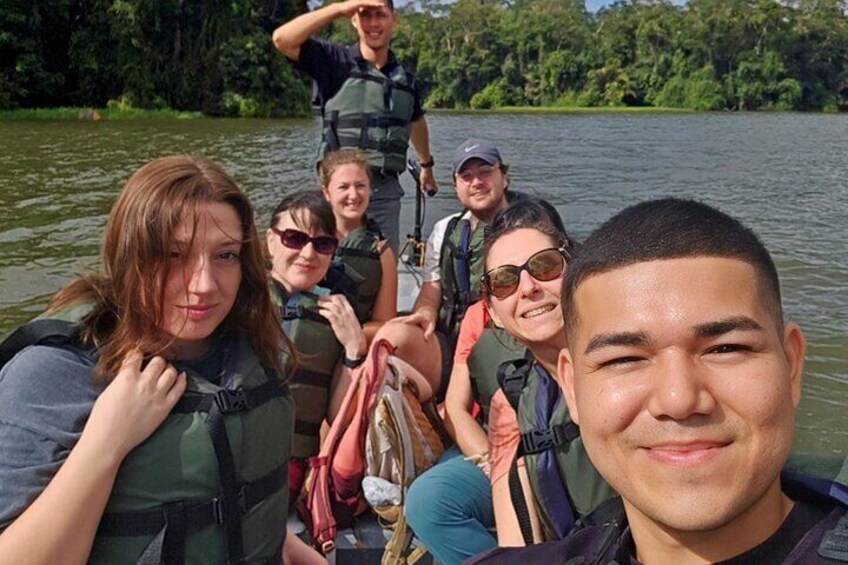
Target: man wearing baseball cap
453, 264
449, 507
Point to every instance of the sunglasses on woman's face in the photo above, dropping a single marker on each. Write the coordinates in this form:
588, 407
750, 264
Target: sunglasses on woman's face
546, 265
296, 239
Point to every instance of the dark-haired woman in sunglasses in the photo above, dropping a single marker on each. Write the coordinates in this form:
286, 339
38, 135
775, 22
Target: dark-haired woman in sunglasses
525, 261
450, 506
317, 316
346, 184
524, 264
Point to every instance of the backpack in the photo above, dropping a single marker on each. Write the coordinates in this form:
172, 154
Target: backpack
383, 438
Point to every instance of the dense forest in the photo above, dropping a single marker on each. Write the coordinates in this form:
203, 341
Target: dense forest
217, 57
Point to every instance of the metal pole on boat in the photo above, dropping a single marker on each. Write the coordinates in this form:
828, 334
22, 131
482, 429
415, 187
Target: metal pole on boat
414, 169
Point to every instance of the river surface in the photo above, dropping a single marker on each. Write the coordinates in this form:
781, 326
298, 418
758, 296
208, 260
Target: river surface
782, 174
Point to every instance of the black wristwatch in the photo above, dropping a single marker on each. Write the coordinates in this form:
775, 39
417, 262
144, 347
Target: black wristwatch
353, 363
428, 164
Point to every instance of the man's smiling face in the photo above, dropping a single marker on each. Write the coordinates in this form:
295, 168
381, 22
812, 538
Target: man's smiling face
684, 385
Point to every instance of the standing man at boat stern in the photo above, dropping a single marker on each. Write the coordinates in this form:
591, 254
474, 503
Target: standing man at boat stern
368, 100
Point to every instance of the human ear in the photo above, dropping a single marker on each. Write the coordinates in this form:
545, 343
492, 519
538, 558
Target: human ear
565, 378
794, 347
494, 315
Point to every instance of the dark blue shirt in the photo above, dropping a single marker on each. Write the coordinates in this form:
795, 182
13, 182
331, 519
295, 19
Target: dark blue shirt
329, 66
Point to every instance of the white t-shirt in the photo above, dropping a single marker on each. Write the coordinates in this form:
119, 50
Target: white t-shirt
432, 254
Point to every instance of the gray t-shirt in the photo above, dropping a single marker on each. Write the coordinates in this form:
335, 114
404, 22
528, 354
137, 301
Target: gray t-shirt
46, 396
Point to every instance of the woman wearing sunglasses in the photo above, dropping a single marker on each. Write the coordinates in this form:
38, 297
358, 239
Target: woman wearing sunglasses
450, 506
525, 261
346, 184
317, 317
145, 418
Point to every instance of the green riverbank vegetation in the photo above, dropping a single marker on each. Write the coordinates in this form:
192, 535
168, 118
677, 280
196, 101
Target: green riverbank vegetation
95, 114
512, 55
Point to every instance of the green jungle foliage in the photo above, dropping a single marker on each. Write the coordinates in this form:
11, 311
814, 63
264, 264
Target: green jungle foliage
217, 57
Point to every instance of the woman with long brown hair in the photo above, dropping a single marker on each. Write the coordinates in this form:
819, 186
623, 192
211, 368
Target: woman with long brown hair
158, 426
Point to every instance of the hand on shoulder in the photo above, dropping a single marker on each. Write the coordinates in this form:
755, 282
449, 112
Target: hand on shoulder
135, 403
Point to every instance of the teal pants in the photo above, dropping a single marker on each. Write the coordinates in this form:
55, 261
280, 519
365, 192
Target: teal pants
449, 508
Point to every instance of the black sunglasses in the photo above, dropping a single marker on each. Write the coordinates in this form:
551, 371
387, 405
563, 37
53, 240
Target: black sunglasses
546, 265
296, 239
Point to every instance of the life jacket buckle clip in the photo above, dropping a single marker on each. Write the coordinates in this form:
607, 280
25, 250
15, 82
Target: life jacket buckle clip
231, 400
292, 312
538, 441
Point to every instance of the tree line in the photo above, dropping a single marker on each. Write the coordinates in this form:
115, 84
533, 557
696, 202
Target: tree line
217, 57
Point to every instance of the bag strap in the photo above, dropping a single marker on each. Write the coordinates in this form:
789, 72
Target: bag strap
365, 382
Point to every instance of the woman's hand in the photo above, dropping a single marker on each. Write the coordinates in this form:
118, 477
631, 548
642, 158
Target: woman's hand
338, 311
135, 403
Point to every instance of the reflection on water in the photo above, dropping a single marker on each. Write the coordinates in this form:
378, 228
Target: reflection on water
782, 174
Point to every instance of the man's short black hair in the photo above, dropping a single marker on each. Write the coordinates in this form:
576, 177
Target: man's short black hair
670, 228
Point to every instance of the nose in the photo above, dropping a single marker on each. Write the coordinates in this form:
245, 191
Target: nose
527, 285
308, 251
201, 277
679, 389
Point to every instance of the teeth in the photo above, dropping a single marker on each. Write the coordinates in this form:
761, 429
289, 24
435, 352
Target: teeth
538, 311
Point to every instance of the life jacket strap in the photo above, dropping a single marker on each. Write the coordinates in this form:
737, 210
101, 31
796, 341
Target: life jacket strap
538, 441
39, 332
519, 504
229, 401
332, 131
362, 121
512, 378
362, 73
196, 515
228, 482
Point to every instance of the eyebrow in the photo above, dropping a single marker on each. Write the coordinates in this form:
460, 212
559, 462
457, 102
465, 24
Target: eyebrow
617, 338
223, 243
721, 327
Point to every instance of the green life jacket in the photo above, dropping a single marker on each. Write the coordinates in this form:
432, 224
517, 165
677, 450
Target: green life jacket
493, 347
210, 484
460, 270
565, 484
318, 352
373, 112
360, 251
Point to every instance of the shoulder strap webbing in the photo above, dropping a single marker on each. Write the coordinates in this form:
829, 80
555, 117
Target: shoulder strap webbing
339, 281
462, 264
552, 493
228, 481
387, 82
38, 332
372, 227
512, 377
519, 504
